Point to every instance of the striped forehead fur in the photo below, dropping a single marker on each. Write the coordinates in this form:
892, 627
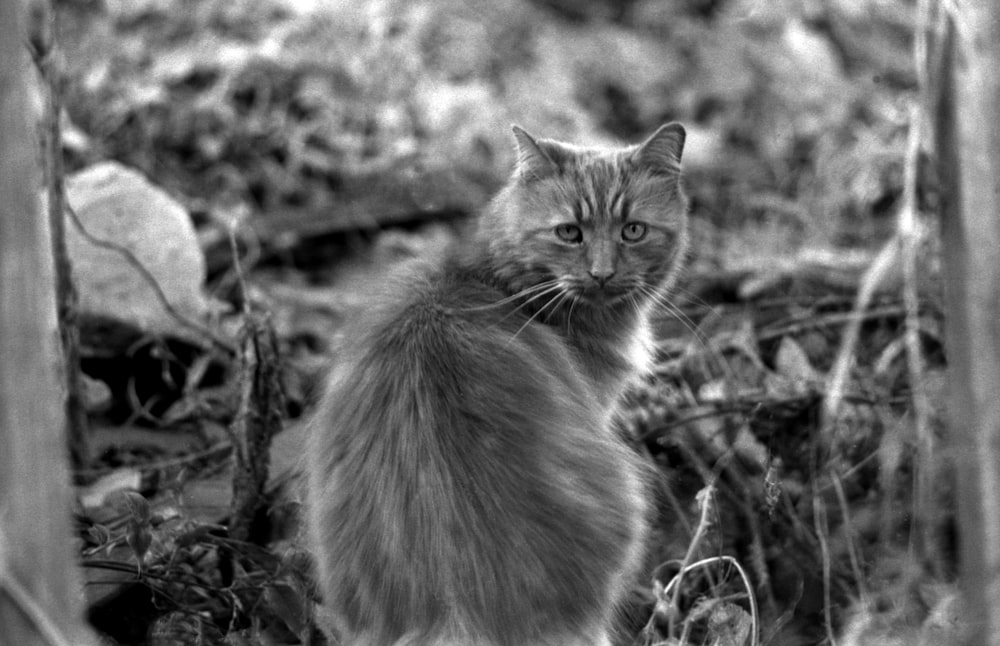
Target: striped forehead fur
610, 185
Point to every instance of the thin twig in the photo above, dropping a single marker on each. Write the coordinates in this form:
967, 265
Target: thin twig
822, 531
218, 449
238, 270
840, 373
812, 321
746, 404
224, 344
754, 611
852, 548
260, 411
705, 498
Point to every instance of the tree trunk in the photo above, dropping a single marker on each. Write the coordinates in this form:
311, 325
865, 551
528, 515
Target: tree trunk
40, 593
968, 145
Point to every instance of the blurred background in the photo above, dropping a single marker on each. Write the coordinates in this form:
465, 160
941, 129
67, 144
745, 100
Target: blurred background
336, 112
323, 140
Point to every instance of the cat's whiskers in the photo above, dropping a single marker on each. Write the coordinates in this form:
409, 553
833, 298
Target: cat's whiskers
555, 302
661, 301
557, 299
533, 289
632, 299
694, 298
559, 305
569, 294
534, 293
553, 287
574, 299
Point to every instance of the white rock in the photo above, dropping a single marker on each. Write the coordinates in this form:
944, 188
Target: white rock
119, 205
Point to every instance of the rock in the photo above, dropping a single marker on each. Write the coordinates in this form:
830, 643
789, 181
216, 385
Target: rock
118, 205
96, 394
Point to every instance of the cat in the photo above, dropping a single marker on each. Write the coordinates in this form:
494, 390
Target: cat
465, 483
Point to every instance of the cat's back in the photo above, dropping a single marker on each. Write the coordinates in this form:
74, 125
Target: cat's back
439, 323
463, 483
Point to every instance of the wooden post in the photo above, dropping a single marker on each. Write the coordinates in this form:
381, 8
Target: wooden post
40, 591
968, 145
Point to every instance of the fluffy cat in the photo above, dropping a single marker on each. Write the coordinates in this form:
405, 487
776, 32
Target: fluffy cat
465, 484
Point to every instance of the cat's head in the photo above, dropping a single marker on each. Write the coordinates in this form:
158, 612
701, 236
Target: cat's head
607, 225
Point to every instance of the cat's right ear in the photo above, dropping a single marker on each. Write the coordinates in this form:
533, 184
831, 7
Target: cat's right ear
661, 153
532, 160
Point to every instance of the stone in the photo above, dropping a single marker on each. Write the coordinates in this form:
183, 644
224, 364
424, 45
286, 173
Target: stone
118, 205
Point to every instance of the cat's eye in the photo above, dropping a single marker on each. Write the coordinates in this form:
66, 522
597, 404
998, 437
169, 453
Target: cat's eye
633, 232
569, 233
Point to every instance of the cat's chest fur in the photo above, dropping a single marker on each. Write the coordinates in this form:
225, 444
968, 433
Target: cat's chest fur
613, 361
640, 348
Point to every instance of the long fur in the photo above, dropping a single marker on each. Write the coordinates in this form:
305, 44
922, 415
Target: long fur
465, 484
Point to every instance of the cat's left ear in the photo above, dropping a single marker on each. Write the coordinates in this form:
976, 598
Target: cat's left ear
661, 153
532, 159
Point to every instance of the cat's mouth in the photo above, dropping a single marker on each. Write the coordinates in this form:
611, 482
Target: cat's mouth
603, 295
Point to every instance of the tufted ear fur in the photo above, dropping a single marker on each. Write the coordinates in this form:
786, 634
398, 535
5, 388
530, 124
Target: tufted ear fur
532, 159
661, 153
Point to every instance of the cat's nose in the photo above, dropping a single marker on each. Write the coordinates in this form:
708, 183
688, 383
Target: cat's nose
602, 277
